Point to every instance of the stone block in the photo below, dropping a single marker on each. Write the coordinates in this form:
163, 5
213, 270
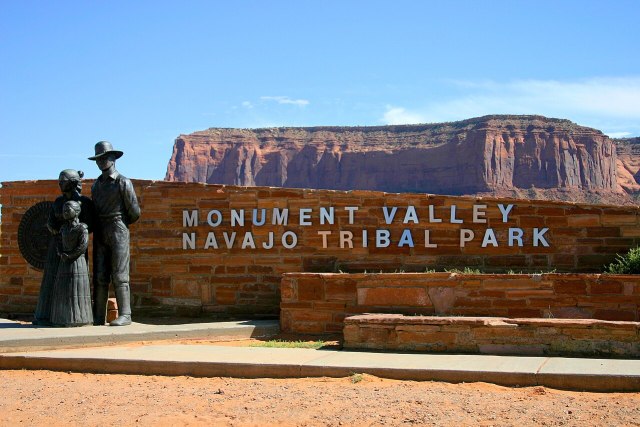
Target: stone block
584, 220
623, 315
442, 298
341, 290
524, 312
392, 297
112, 310
225, 295
307, 327
311, 316
473, 302
424, 328
310, 289
507, 283
444, 339
351, 333
603, 232
378, 335
510, 303
491, 333
329, 306
200, 269
11, 290
288, 290
528, 293
607, 287
571, 287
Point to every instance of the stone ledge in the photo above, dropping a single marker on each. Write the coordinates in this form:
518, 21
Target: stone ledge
493, 335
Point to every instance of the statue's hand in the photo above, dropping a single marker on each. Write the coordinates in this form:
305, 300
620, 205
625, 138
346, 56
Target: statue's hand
64, 256
52, 230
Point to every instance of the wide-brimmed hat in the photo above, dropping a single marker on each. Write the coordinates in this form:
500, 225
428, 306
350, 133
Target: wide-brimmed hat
103, 148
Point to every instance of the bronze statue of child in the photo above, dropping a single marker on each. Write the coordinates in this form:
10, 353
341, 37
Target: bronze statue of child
71, 297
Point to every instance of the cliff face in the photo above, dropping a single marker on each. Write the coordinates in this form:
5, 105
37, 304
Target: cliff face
628, 165
488, 155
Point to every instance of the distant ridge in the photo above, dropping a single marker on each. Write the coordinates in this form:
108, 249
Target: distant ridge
524, 156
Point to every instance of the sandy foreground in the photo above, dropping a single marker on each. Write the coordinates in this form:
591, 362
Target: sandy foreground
60, 398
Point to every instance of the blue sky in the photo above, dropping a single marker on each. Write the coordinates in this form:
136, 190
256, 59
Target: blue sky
140, 73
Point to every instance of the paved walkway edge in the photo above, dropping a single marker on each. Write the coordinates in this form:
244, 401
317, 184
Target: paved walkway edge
37, 339
559, 380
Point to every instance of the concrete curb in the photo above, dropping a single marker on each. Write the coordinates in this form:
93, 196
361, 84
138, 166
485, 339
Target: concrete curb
602, 375
15, 337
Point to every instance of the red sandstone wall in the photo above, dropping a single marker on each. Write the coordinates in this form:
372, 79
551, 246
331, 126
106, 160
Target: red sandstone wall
245, 282
318, 303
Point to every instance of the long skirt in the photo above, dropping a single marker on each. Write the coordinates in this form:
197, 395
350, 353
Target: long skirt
43, 309
71, 296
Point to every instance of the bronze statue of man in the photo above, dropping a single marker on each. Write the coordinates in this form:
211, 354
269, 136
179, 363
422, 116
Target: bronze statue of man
116, 207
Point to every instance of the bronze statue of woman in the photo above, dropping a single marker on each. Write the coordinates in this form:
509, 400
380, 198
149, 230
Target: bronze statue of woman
70, 182
71, 297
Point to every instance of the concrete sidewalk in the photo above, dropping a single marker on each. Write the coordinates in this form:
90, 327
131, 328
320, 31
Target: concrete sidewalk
15, 336
256, 362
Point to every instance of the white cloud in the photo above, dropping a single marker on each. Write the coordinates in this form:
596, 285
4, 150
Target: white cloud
286, 100
399, 116
588, 101
614, 97
619, 134
247, 104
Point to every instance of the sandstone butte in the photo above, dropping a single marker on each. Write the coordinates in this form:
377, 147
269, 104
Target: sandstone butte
531, 157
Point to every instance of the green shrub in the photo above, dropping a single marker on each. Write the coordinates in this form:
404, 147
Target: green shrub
628, 263
356, 378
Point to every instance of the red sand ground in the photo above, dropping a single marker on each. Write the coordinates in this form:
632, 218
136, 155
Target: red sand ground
55, 398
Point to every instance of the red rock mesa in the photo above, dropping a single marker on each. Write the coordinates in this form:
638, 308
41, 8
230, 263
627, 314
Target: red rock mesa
507, 156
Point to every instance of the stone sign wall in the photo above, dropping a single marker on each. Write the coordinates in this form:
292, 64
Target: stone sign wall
221, 250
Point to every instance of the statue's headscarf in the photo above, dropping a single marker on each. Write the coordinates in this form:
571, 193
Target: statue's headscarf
75, 176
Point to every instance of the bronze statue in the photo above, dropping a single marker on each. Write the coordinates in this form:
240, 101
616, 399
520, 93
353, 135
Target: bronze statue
71, 297
70, 182
116, 208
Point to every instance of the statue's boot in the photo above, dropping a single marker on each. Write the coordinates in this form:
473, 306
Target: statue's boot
100, 297
123, 298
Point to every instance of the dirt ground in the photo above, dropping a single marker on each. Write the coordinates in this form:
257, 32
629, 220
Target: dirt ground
60, 398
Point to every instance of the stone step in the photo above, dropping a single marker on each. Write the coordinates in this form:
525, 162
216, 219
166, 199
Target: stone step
493, 335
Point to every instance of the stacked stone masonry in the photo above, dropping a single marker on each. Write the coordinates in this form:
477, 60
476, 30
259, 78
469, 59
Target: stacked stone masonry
564, 337
319, 303
167, 278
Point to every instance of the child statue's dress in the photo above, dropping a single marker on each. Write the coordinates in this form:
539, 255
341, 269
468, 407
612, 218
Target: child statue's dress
71, 296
